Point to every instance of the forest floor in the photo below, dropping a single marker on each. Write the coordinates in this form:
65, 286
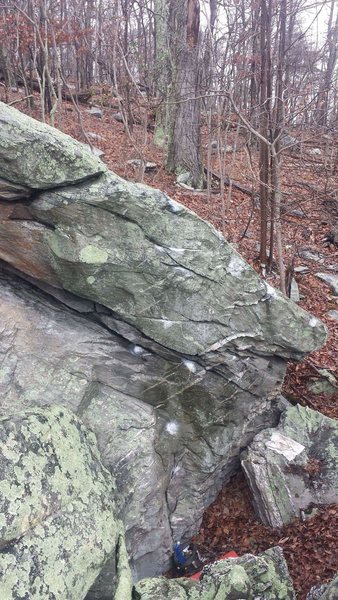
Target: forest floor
310, 210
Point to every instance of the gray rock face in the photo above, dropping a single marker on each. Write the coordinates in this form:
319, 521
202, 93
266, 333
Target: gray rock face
12, 191
316, 592
181, 348
246, 578
331, 591
163, 426
158, 267
57, 525
293, 466
37, 156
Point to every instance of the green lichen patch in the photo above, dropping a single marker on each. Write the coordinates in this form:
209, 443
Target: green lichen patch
58, 526
93, 255
246, 578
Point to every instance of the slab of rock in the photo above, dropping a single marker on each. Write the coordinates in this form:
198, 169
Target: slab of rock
331, 591
246, 578
95, 151
48, 355
57, 525
118, 116
330, 279
316, 592
137, 163
333, 314
289, 142
94, 136
309, 255
38, 156
159, 267
183, 334
167, 467
293, 466
294, 291
302, 270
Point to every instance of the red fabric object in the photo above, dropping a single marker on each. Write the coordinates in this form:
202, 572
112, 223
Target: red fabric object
231, 554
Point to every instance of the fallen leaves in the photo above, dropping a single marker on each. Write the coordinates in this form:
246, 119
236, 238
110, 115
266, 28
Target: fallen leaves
309, 546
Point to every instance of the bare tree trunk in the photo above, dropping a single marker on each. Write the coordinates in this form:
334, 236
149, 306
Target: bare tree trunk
162, 71
184, 154
264, 131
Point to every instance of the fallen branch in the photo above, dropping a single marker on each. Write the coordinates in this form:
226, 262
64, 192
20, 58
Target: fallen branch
227, 181
20, 100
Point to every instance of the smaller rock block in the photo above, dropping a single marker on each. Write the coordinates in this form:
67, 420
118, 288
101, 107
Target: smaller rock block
246, 578
57, 525
293, 466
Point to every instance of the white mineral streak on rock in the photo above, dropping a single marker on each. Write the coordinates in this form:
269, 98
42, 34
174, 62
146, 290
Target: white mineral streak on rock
284, 445
174, 206
182, 270
236, 266
177, 250
270, 291
159, 248
137, 350
230, 338
167, 324
313, 322
172, 427
191, 366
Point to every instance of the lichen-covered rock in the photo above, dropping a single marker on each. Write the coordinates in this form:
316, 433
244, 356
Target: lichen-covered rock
201, 346
38, 156
147, 258
247, 578
293, 466
167, 467
57, 523
165, 271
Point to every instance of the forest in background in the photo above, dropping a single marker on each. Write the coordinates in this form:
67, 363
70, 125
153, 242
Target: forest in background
189, 69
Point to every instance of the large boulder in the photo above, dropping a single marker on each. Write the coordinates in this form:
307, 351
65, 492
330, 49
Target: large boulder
57, 523
49, 354
178, 349
293, 466
246, 578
